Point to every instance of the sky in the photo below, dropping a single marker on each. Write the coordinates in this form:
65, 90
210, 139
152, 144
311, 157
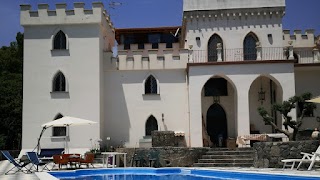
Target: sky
300, 14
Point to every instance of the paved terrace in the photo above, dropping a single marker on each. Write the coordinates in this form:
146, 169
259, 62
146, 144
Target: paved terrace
5, 166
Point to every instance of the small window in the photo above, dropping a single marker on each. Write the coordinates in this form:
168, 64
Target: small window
176, 58
150, 86
59, 131
60, 41
59, 83
160, 58
151, 125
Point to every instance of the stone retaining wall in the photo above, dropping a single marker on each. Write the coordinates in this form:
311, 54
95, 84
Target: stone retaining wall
163, 156
270, 154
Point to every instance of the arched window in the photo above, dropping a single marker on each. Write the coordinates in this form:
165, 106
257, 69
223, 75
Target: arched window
212, 47
60, 41
59, 83
151, 86
59, 131
249, 47
151, 125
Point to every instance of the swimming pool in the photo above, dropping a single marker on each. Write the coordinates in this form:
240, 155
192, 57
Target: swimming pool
167, 174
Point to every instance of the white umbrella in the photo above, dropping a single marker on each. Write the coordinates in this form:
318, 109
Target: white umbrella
315, 100
64, 121
67, 121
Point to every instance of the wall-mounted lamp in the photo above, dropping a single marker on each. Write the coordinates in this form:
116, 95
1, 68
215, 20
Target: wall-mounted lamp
162, 115
197, 38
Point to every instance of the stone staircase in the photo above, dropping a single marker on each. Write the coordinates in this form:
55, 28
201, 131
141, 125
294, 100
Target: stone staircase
224, 157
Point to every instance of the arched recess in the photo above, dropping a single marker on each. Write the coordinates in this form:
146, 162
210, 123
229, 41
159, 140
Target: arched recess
249, 46
212, 48
217, 125
59, 83
151, 85
60, 41
218, 91
264, 91
59, 131
151, 125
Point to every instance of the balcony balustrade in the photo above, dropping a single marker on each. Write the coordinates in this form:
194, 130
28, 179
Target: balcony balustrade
302, 56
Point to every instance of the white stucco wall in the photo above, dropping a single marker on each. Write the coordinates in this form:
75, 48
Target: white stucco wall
307, 79
233, 31
81, 67
127, 108
241, 76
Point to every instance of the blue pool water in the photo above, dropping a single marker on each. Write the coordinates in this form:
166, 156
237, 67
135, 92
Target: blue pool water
167, 174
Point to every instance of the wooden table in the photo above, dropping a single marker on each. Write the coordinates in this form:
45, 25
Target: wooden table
113, 155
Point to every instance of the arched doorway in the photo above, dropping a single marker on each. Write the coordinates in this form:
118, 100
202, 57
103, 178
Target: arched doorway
217, 127
151, 125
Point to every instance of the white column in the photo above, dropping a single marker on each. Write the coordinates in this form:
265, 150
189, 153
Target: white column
316, 55
287, 82
259, 51
291, 57
243, 113
219, 52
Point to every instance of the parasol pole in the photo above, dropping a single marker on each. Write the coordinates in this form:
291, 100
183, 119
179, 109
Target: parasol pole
38, 143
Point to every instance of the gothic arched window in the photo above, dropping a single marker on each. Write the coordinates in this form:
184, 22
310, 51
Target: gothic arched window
212, 48
59, 131
60, 41
151, 125
249, 47
151, 86
59, 83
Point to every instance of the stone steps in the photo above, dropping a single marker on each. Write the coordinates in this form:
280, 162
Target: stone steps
223, 157
223, 164
227, 156
225, 160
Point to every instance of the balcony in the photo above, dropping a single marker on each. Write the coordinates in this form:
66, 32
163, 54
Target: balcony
301, 56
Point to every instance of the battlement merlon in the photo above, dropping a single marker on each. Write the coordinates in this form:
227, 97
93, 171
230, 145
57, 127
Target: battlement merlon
298, 38
192, 5
79, 15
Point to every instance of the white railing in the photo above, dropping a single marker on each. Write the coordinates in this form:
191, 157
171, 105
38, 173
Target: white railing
259, 53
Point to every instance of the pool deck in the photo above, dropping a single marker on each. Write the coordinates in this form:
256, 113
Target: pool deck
5, 166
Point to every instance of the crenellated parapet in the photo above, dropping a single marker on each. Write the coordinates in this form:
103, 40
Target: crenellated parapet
148, 58
299, 39
61, 15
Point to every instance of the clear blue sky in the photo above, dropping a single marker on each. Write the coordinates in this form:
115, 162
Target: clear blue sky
300, 14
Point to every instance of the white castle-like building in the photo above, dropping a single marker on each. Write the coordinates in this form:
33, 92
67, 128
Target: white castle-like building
202, 80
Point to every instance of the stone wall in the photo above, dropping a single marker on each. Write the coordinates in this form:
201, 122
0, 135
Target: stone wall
270, 154
167, 138
163, 156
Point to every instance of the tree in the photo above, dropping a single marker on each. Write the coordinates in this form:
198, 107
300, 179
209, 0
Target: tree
284, 109
11, 68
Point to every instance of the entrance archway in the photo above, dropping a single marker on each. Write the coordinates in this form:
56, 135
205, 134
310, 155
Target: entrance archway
217, 126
